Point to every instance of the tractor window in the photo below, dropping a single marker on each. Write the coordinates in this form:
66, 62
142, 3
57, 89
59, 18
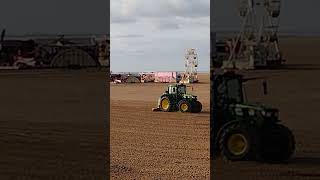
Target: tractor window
182, 90
234, 90
221, 94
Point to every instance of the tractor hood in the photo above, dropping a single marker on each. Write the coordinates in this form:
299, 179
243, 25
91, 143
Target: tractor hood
264, 110
189, 96
255, 106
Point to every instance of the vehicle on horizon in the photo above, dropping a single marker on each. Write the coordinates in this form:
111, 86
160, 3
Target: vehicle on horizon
175, 98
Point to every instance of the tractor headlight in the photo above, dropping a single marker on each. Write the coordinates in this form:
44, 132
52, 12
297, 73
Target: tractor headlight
270, 114
239, 112
251, 112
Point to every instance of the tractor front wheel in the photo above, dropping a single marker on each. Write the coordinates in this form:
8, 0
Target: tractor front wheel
184, 106
166, 104
236, 143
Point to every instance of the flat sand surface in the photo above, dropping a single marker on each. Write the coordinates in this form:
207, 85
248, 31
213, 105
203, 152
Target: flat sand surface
53, 125
154, 145
295, 90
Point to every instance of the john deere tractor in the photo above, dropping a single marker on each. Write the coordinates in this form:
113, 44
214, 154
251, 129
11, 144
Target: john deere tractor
176, 98
241, 130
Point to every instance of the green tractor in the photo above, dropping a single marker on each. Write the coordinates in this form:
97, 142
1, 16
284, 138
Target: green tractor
245, 131
176, 98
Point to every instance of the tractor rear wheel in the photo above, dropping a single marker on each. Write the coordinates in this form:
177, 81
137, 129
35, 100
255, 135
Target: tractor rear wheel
236, 143
196, 107
166, 104
277, 144
184, 106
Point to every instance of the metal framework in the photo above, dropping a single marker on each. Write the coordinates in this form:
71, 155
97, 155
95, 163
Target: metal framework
191, 65
257, 43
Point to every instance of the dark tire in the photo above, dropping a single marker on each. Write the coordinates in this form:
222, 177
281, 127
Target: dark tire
166, 104
196, 107
236, 143
184, 106
277, 144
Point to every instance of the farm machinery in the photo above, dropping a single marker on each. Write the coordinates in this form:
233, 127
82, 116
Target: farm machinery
241, 130
175, 98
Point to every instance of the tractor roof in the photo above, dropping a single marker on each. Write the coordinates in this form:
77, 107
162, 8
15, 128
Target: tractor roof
226, 73
175, 85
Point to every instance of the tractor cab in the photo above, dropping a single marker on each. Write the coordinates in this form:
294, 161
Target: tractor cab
177, 89
229, 101
228, 89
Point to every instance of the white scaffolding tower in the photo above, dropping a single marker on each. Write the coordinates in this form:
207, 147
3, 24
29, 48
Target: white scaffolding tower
257, 42
191, 65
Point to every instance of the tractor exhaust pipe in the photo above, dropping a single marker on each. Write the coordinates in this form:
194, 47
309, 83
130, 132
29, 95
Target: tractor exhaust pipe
265, 87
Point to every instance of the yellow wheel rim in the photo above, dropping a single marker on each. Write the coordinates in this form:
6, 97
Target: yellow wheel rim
184, 107
165, 103
237, 144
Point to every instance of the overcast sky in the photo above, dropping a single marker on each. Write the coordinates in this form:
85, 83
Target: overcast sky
55, 16
153, 35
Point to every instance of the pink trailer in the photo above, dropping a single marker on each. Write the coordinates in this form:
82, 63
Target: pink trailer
166, 77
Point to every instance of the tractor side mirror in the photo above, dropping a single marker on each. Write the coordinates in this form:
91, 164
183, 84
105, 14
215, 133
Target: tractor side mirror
265, 87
